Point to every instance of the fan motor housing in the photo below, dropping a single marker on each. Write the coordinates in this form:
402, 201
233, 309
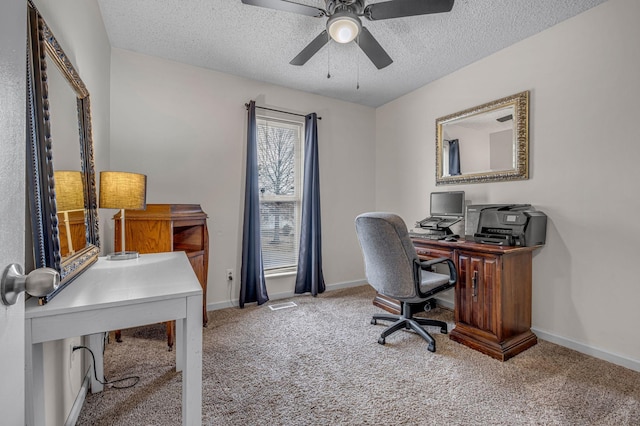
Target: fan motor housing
336, 6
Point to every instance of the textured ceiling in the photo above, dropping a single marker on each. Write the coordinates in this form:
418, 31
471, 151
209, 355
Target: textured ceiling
258, 43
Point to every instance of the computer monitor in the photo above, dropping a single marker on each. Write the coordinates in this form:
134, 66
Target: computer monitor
447, 204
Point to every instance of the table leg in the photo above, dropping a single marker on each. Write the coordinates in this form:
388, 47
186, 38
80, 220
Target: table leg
191, 344
34, 380
179, 343
95, 342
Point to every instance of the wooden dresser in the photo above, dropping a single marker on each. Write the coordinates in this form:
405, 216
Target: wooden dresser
492, 308
77, 232
169, 227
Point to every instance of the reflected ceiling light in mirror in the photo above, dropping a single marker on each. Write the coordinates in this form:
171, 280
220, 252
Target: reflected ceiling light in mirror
344, 27
69, 197
123, 190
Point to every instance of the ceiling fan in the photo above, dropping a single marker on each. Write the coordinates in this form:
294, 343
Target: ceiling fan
344, 24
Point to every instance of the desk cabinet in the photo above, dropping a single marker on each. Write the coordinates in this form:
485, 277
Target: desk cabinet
476, 296
165, 228
492, 308
493, 301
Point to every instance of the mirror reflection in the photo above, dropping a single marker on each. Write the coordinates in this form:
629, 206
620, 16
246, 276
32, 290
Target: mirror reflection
71, 219
481, 143
67, 164
484, 143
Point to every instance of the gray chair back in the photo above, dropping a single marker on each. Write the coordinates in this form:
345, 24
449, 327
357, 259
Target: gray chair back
389, 254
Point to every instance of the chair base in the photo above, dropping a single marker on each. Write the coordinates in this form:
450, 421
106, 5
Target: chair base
409, 322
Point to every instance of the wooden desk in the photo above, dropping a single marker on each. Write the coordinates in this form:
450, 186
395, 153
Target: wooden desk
119, 294
492, 308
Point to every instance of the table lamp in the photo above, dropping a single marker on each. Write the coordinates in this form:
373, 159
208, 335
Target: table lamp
69, 197
123, 190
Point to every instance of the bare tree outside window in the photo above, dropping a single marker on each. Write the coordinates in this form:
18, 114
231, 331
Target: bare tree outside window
278, 177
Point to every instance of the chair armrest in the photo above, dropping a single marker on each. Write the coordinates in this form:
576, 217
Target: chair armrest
426, 264
453, 271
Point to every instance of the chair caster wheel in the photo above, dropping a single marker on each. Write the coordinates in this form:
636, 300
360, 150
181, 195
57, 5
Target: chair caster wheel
374, 322
381, 341
431, 347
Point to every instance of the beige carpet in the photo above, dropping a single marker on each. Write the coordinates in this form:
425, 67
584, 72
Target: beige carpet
320, 364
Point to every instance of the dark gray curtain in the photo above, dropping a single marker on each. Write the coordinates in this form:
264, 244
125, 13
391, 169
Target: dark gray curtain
309, 278
252, 283
454, 157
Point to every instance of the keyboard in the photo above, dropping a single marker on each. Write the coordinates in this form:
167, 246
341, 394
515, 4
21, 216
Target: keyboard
426, 236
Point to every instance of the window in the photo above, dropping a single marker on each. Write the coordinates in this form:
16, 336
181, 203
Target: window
280, 183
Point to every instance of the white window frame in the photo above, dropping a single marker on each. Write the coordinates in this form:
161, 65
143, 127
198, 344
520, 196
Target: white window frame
299, 126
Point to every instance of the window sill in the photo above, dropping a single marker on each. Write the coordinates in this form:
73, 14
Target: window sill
278, 274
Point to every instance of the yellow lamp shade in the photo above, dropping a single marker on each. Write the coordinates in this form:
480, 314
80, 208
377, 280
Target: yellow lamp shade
69, 190
123, 190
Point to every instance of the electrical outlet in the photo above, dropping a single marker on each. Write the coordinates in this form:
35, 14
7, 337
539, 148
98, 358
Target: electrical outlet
229, 274
71, 354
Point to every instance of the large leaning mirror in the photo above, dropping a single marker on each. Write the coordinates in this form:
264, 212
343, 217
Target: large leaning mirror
61, 175
486, 143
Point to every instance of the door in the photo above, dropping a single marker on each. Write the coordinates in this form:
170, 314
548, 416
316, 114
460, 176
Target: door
477, 294
13, 32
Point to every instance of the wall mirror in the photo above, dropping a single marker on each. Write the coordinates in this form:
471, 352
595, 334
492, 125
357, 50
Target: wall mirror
60, 169
486, 143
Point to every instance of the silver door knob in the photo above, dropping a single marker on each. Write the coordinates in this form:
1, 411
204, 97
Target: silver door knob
38, 282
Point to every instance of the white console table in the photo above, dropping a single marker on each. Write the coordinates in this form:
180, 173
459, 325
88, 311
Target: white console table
112, 295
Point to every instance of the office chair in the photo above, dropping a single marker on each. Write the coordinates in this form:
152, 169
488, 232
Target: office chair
393, 268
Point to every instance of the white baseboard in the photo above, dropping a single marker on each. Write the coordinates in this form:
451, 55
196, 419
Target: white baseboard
347, 284
445, 303
285, 294
74, 414
588, 350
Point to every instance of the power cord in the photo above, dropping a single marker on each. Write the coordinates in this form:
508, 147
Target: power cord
111, 383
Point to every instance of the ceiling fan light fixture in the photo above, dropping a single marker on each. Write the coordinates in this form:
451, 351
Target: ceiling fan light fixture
344, 27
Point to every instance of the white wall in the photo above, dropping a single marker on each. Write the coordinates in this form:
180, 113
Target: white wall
79, 29
584, 148
185, 128
501, 150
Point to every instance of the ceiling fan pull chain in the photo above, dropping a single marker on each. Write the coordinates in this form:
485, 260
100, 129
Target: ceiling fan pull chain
358, 67
329, 57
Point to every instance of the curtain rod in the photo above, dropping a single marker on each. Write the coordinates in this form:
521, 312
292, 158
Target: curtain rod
277, 110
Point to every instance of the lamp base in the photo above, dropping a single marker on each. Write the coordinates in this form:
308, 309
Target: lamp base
123, 255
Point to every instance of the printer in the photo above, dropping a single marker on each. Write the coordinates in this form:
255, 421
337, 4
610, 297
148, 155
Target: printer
511, 225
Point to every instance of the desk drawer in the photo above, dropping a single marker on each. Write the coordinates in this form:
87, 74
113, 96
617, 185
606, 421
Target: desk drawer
432, 253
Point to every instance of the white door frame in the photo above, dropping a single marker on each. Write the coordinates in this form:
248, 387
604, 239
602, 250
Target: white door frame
13, 42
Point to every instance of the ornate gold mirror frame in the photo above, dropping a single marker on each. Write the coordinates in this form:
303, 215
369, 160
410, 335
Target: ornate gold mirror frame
45, 222
492, 142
